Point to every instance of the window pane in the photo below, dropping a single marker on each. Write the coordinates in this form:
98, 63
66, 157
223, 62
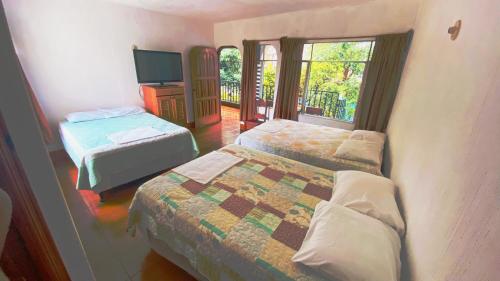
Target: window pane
333, 89
302, 84
270, 53
324, 51
306, 54
268, 80
341, 51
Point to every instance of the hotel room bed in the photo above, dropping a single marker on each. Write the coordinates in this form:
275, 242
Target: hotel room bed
244, 224
315, 145
110, 151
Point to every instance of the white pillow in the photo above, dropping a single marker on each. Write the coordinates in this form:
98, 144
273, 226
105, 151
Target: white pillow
122, 111
103, 113
85, 116
368, 194
370, 136
362, 151
349, 246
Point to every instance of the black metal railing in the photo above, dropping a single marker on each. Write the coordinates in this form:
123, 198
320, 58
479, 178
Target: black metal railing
230, 92
266, 92
317, 102
325, 103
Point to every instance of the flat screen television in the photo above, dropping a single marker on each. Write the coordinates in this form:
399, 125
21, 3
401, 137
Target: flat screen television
157, 66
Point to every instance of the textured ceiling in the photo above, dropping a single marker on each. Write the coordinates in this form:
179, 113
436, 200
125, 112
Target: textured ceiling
224, 10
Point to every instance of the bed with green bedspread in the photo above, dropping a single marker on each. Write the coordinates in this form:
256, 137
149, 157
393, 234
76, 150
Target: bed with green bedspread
103, 164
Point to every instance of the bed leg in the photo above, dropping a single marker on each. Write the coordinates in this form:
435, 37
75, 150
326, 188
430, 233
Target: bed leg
101, 197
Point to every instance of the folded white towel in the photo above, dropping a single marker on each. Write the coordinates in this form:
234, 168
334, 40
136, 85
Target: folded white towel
207, 167
134, 135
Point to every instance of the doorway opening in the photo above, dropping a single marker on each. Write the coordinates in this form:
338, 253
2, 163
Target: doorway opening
266, 81
230, 75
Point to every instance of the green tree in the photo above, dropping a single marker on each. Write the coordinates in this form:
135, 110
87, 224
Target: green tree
269, 77
230, 65
336, 70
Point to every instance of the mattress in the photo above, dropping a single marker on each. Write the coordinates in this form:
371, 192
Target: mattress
245, 224
103, 164
308, 143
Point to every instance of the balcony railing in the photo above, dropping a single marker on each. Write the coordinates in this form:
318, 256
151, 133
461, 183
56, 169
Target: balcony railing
324, 103
317, 102
266, 92
230, 92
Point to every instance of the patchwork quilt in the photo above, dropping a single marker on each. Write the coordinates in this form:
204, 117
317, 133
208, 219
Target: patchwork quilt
245, 224
308, 143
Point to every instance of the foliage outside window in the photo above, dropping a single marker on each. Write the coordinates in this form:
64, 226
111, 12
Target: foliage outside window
230, 75
331, 78
230, 65
266, 76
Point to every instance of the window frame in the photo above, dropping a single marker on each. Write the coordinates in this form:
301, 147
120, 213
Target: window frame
308, 72
262, 62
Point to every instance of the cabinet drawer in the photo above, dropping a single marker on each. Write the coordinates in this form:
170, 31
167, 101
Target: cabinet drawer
170, 91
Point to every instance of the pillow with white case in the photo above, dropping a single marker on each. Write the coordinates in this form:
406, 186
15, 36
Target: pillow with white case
346, 245
360, 150
103, 113
370, 136
368, 194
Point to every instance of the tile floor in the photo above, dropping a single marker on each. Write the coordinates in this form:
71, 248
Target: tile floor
113, 254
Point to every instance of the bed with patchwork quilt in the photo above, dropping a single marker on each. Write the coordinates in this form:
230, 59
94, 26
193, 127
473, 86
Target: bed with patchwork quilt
320, 146
244, 224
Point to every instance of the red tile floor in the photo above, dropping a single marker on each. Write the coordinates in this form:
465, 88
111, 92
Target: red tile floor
112, 253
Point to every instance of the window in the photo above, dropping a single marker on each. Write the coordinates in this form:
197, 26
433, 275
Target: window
266, 72
331, 78
266, 77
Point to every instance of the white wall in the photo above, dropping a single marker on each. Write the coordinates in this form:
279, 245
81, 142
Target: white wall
18, 114
78, 54
444, 143
366, 19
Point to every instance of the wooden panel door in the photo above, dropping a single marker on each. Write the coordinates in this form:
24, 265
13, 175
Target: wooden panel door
204, 64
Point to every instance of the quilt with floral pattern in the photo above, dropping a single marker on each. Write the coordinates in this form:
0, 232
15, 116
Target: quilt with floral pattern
308, 143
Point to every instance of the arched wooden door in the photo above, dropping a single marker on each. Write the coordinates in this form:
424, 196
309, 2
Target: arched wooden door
204, 64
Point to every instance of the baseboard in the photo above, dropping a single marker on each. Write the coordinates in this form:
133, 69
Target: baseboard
230, 104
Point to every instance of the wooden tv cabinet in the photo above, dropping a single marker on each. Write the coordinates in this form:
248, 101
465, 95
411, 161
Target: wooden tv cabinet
167, 102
